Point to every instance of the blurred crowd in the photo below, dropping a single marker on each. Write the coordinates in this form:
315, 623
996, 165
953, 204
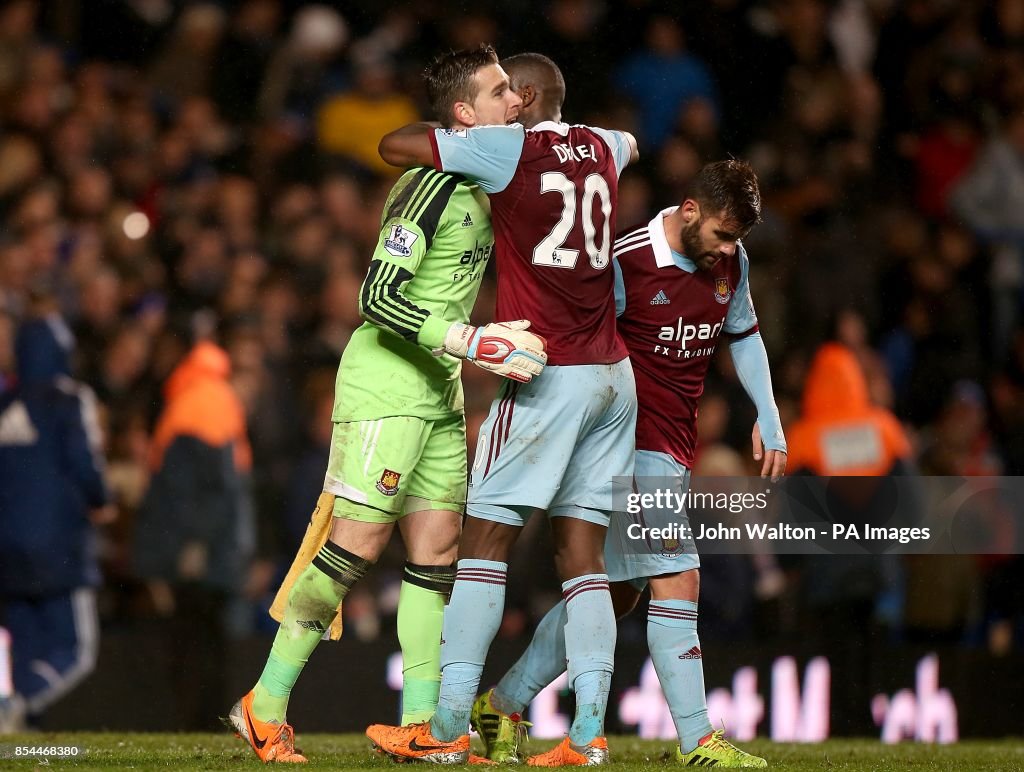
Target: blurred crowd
178, 172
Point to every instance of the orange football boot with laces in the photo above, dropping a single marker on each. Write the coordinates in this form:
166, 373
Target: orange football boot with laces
271, 740
414, 742
565, 754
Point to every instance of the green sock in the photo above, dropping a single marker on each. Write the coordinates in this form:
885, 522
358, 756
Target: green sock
425, 591
312, 603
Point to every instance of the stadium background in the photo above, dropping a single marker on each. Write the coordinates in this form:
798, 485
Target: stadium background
173, 170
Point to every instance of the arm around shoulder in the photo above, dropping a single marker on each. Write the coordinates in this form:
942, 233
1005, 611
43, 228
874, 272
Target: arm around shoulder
409, 145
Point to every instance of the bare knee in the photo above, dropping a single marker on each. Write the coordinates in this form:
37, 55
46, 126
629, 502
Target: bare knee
579, 547
487, 540
366, 540
431, 536
624, 598
682, 586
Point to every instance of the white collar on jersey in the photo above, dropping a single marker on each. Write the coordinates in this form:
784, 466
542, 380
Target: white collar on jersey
561, 129
659, 242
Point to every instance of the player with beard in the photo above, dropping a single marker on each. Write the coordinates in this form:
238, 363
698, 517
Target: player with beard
681, 283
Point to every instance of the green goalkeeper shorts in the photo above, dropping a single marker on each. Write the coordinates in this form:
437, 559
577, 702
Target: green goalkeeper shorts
384, 469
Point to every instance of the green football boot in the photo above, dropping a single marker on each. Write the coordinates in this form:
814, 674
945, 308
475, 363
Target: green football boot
718, 752
501, 733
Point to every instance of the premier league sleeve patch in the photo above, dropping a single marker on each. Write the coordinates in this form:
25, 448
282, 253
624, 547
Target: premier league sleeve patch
399, 241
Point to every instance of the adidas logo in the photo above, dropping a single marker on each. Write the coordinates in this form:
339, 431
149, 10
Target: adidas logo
693, 653
16, 428
468, 221
661, 299
313, 625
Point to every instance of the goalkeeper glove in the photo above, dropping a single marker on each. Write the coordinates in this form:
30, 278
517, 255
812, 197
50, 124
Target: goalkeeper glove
505, 348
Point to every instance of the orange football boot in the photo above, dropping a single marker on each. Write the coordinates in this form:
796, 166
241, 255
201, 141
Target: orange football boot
565, 754
271, 741
414, 742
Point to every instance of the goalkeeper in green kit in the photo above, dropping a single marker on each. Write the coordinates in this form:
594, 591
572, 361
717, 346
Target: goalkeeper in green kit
398, 451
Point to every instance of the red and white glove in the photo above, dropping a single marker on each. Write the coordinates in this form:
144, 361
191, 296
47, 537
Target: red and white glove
505, 348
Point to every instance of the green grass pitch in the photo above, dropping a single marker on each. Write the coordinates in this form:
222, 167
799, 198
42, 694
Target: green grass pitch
222, 751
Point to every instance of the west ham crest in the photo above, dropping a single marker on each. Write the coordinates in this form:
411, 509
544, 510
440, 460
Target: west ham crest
388, 482
722, 291
671, 547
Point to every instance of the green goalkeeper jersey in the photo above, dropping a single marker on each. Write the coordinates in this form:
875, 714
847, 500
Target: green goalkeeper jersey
434, 243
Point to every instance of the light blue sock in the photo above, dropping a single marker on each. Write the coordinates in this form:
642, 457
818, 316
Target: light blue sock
590, 649
471, 620
675, 649
541, 663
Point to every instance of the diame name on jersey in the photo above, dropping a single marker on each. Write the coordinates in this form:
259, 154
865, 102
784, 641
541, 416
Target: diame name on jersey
579, 153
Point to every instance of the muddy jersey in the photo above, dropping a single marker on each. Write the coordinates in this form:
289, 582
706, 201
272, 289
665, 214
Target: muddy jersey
671, 317
425, 273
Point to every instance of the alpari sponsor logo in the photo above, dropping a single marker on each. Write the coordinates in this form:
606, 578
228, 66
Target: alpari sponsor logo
683, 335
478, 254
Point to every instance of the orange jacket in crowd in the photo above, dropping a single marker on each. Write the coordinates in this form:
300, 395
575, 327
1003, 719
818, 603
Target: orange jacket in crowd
840, 433
201, 403
195, 523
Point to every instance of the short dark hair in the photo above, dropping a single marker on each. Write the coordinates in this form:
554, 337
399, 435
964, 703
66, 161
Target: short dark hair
542, 69
728, 187
449, 78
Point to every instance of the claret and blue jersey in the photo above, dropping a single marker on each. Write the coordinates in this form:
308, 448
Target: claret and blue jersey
553, 190
671, 317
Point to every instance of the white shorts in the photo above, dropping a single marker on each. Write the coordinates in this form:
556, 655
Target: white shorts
555, 444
